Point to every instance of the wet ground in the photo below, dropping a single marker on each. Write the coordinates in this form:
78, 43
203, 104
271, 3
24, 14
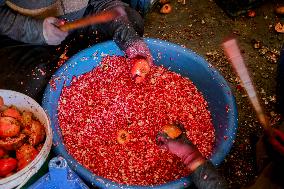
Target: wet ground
201, 26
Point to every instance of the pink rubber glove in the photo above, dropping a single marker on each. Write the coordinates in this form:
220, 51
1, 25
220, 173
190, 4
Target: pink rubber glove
183, 148
139, 50
52, 34
276, 139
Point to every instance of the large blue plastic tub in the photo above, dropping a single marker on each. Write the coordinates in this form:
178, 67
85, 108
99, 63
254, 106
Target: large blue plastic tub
181, 60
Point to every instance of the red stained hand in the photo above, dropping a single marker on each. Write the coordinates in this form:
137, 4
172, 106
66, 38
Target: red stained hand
276, 139
52, 34
139, 50
185, 150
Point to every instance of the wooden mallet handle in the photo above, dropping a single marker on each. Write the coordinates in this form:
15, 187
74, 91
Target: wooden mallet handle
99, 18
233, 53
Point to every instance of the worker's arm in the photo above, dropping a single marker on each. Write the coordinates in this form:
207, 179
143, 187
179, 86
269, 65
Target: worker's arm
27, 29
276, 140
274, 143
19, 27
204, 175
122, 30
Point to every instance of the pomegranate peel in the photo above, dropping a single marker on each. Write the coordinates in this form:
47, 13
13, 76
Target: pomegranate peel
9, 127
172, 131
166, 9
7, 166
123, 137
279, 28
12, 112
25, 154
12, 143
140, 69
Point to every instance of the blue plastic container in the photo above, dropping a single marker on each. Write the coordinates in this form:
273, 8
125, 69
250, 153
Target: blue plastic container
60, 176
215, 89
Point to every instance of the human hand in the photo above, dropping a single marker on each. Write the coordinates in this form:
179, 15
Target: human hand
276, 140
183, 148
52, 34
139, 50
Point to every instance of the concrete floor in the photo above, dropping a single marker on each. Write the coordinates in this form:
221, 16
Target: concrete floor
201, 26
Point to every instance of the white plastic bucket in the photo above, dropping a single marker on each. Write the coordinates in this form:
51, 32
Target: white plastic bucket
24, 102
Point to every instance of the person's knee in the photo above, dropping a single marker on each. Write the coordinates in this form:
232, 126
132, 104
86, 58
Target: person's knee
136, 20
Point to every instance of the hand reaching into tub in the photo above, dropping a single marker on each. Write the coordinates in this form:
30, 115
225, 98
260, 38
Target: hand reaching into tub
143, 60
275, 142
204, 175
181, 147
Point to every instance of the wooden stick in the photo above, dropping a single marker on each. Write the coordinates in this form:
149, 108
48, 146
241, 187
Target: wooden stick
99, 18
233, 53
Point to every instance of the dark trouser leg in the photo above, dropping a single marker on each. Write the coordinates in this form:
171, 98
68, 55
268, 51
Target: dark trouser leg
26, 68
280, 83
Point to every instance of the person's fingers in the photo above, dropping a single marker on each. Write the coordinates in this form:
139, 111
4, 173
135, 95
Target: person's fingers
180, 148
52, 34
51, 20
162, 141
277, 141
139, 49
52, 24
173, 144
277, 145
57, 32
161, 138
279, 134
164, 147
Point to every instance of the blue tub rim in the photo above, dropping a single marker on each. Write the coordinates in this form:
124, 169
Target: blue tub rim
103, 182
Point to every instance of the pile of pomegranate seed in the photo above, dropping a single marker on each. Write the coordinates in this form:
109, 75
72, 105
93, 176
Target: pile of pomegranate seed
109, 123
